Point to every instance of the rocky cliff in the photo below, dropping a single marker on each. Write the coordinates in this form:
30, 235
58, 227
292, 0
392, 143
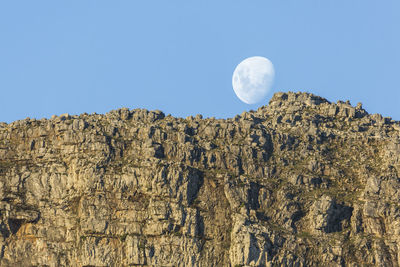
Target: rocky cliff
300, 182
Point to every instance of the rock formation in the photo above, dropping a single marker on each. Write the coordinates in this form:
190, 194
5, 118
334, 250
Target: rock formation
300, 182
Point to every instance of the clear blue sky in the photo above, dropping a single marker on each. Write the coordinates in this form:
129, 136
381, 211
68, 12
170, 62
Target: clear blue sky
178, 56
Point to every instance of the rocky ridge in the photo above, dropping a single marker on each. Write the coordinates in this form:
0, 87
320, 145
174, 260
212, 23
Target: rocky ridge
300, 182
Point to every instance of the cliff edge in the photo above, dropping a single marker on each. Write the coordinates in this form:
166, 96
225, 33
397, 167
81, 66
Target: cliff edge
300, 182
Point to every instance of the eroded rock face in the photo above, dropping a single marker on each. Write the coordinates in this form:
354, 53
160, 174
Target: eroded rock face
299, 182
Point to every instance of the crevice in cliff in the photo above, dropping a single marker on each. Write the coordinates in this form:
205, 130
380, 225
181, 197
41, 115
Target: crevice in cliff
14, 225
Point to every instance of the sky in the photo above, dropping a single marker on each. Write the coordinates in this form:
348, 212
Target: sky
179, 56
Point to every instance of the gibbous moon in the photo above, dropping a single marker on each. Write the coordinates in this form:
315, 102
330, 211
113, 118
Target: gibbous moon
252, 79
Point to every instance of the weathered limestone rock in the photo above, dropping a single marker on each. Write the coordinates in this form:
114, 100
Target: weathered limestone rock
300, 182
328, 216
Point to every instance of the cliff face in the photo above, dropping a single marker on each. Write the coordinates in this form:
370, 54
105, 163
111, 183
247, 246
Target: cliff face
299, 182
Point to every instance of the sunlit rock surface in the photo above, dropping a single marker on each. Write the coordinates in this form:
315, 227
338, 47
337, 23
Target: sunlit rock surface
300, 182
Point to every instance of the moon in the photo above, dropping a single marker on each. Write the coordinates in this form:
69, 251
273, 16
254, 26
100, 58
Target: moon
252, 79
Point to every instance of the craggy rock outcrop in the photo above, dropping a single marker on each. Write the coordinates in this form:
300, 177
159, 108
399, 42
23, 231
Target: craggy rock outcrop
300, 182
